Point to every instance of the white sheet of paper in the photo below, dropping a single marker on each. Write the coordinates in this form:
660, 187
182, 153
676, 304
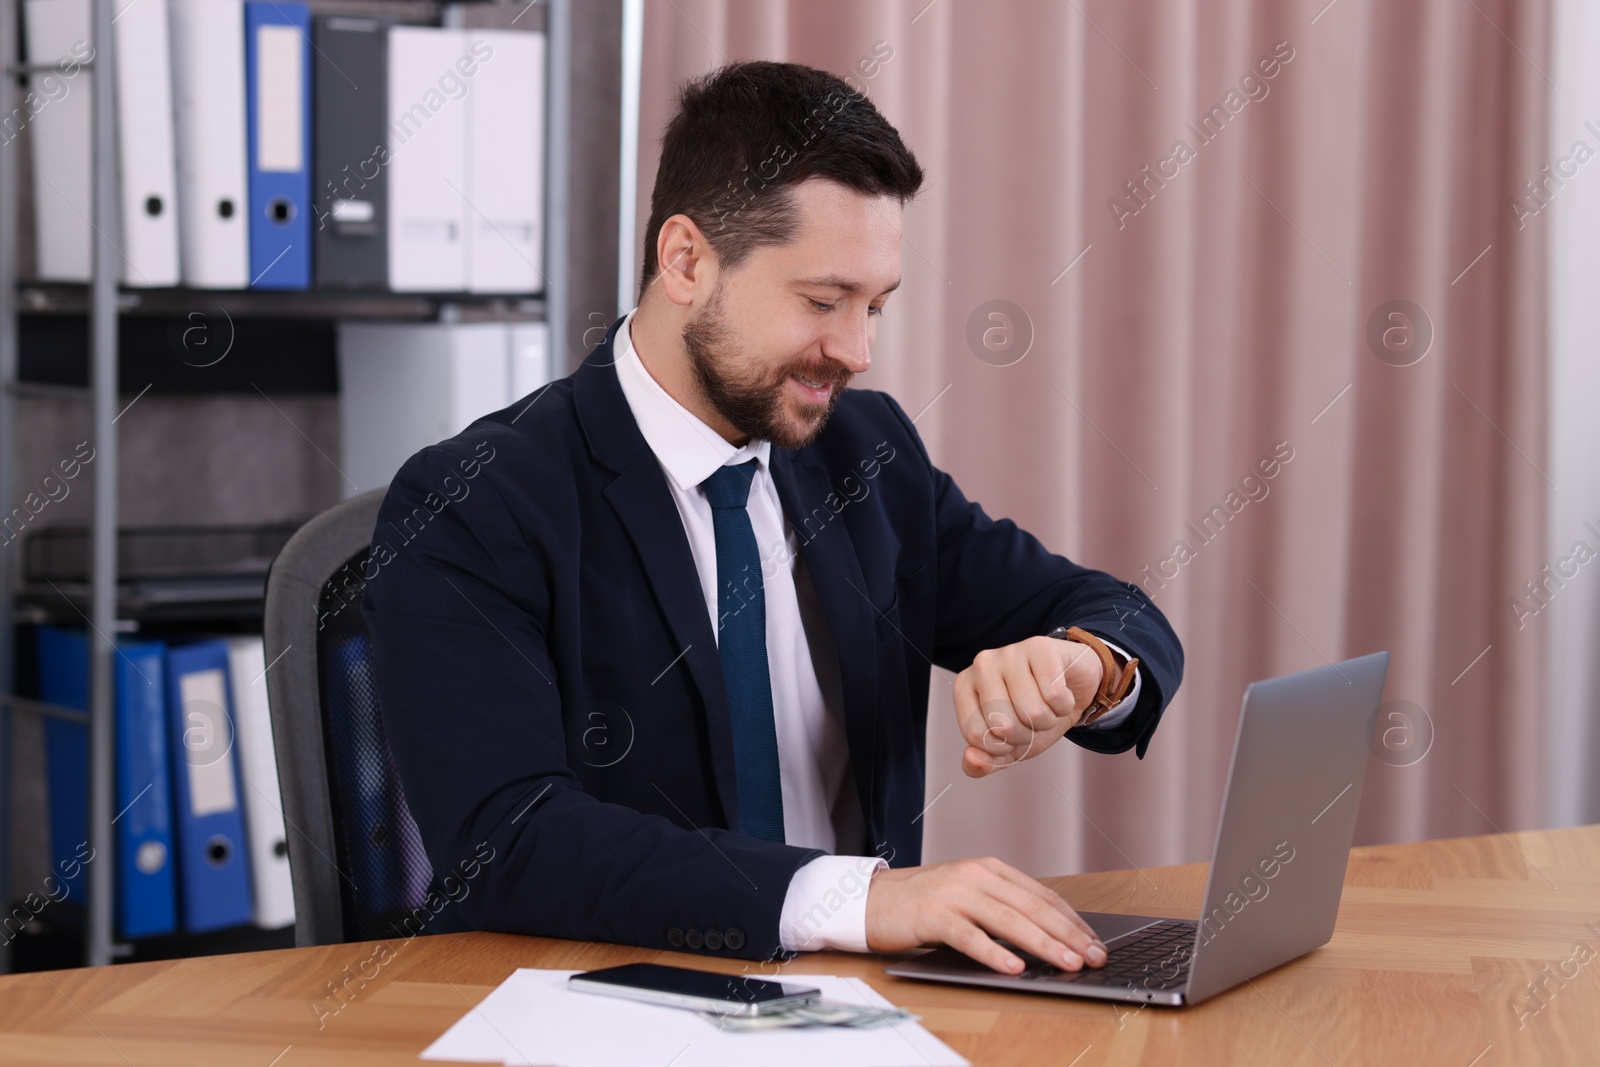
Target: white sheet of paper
534, 1019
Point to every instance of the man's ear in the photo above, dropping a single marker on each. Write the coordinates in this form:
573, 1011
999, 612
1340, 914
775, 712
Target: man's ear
686, 270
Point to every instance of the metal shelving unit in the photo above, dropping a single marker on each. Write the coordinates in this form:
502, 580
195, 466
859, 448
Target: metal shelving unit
103, 356
586, 208
8, 422
65, 298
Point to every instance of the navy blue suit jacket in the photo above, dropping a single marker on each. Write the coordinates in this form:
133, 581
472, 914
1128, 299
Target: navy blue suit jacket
549, 678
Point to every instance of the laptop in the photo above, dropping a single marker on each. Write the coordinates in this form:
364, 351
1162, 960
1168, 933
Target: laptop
1277, 869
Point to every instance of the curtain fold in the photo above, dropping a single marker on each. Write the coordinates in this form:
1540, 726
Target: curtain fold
1206, 218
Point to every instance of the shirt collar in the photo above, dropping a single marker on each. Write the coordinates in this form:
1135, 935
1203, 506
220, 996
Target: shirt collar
689, 450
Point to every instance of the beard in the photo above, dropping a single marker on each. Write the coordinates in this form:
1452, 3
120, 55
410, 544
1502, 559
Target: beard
753, 401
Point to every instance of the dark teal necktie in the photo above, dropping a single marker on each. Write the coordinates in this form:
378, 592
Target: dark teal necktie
742, 648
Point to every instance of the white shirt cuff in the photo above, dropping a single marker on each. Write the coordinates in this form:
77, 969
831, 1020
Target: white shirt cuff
1116, 713
826, 905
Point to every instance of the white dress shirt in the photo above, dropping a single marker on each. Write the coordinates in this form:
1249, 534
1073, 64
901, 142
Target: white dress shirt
826, 902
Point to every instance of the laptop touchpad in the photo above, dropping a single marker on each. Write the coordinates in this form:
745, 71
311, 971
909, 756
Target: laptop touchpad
1111, 926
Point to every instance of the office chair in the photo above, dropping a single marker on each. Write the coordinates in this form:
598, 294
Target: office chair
355, 857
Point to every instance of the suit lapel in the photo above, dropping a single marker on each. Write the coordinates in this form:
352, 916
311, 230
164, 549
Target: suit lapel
643, 502
836, 576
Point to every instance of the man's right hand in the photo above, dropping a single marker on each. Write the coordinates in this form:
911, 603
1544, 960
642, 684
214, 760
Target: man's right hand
966, 904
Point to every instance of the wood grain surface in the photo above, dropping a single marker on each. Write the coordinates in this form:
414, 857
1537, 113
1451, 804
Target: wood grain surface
1473, 952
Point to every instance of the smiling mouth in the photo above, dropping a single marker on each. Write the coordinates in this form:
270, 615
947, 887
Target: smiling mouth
832, 382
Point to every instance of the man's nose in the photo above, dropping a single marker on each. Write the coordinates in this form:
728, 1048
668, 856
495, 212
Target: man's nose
850, 344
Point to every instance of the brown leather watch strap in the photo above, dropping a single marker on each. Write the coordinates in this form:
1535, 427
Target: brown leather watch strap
1114, 683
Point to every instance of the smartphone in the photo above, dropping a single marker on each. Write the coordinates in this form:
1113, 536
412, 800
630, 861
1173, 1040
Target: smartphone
679, 987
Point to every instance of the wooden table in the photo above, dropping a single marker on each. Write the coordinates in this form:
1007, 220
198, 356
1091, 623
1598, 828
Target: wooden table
1436, 947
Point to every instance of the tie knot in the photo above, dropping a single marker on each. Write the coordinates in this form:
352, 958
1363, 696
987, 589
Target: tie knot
729, 487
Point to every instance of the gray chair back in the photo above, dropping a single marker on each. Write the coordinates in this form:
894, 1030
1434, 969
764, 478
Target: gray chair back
355, 856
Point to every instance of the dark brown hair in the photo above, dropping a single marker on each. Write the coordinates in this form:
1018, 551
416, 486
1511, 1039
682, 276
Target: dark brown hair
745, 134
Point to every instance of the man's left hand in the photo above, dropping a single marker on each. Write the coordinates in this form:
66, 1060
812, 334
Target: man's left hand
1014, 702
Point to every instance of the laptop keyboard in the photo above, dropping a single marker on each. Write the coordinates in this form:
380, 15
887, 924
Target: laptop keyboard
1157, 958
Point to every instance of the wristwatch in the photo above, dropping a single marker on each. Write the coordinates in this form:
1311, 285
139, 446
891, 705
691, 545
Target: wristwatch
1114, 682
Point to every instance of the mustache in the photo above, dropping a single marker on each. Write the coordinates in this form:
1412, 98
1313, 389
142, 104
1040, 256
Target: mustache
826, 373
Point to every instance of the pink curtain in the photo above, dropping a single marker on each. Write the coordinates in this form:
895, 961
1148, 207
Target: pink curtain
1307, 347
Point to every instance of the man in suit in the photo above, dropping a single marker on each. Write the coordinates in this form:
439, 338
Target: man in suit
660, 634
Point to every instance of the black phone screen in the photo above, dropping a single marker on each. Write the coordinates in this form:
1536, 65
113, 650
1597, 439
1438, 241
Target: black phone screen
733, 988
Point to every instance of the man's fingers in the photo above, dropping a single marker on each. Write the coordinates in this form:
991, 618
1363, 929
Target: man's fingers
1001, 710
983, 731
1022, 690
969, 718
969, 904
995, 886
1046, 894
1010, 696
1061, 926
985, 722
1050, 667
976, 762
969, 939
1026, 923
1002, 726
985, 762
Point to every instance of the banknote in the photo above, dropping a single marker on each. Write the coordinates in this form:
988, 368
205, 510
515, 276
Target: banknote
818, 1012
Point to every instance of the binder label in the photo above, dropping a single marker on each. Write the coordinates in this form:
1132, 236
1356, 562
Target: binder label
279, 82
208, 743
